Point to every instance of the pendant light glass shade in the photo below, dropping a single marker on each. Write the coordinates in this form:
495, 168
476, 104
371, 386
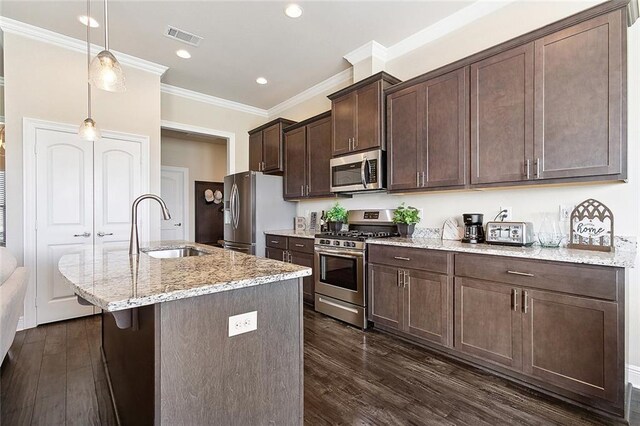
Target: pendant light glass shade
106, 73
89, 131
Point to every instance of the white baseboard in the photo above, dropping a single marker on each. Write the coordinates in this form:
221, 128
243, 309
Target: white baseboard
21, 325
634, 375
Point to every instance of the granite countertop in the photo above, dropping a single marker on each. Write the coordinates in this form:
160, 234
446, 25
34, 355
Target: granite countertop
292, 233
618, 258
113, 280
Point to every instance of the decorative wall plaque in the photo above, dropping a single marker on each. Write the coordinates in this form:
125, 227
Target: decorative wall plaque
591, 226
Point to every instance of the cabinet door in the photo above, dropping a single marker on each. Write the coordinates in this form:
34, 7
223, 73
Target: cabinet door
308, 283
488, 321
368, 117
318, 157
404, 112
427, 302
255, 151
295, 163
343, 112
502, 116
385, 296
275, 254
572, 342
445, 130
272, 148
579, 94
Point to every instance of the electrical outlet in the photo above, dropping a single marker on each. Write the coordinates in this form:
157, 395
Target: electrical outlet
565, 211
507, 215
243, 323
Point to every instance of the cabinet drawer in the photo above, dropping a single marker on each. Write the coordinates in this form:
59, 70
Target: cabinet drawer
586, 280
301, 245
276, 241
403, 257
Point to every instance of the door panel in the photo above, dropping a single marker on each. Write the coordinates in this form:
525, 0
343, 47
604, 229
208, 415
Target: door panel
271, 148
308, 283
443, 145
579, 95
385, 296
404, 112
368, 105
275, 254
502, 116
488, 325
255, 151
572, 342
427, 301
295, 158
173, 193
318, 157
343, 111
64, 177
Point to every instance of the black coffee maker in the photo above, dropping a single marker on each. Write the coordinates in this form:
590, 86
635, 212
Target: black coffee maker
473, 230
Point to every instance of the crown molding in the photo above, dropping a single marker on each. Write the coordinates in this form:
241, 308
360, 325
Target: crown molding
212, 100
323, 87
12, 26
371, 49
1, 81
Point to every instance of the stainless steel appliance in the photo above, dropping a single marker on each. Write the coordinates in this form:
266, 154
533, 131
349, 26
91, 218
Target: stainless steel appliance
473, 229
510, 233
253, 204
340, 262
363, 171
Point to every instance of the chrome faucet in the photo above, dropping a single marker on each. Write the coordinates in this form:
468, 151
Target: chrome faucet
134, 245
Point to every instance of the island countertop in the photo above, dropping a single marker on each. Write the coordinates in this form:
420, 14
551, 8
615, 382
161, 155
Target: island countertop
114, 280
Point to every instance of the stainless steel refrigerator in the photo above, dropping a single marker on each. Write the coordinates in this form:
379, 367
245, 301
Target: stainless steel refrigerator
253, 204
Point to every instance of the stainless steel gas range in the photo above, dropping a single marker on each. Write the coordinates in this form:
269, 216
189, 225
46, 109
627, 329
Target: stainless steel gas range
340, 262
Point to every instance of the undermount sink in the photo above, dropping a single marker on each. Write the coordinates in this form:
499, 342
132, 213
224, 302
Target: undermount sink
172, 253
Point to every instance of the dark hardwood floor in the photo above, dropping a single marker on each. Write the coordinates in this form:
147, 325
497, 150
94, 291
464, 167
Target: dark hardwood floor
55, 377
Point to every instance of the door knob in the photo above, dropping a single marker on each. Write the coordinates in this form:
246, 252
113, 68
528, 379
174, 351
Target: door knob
177, 224
102, 234
84, 234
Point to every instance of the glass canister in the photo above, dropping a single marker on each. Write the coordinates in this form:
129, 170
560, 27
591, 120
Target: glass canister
550, 232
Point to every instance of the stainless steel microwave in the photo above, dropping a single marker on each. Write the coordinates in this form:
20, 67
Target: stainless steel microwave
363, 171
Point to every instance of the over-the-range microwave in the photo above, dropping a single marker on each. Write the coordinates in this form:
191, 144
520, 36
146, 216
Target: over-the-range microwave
359, 172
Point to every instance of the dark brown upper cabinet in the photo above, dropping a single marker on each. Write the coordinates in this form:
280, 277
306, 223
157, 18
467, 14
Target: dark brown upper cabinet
307, 151
502, 117
579, 93
358, 115
428, 133
265, 147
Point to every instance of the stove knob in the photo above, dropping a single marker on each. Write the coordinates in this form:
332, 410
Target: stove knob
336, 243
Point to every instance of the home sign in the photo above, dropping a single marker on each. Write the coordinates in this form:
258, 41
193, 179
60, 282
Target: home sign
591, 226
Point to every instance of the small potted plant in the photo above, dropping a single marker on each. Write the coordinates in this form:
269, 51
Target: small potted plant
406, 217
336, 216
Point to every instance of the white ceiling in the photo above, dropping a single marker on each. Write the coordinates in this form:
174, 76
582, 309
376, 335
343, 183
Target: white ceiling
242, 39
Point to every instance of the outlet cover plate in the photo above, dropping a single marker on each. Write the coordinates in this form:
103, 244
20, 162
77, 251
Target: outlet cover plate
243, 323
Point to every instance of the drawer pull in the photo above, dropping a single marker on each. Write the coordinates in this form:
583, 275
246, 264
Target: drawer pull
275, 242
525, 302
401, 258
523, 274
299, 245
514, 299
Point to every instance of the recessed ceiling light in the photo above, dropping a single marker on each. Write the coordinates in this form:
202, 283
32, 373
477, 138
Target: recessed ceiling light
183, 54
261, 80
293, 11
84, 20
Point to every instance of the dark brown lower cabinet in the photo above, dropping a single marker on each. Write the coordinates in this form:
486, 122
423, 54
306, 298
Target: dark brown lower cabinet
308, 283
275, 254
412, 301
298, 251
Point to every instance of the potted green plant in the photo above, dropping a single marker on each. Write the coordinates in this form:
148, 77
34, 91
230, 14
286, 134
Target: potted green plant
406, 217
336, 216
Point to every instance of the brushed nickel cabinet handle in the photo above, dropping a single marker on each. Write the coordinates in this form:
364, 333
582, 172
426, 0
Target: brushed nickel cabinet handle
400, 278
514, 299
406, 278
522, 274
84, 234
417, 178
102, 234
527, 163
299, 245
283, 254
525, 302
275, 242
355, 142
537, 165
307, 188
401, 258
289, 257
302, 190
423, 184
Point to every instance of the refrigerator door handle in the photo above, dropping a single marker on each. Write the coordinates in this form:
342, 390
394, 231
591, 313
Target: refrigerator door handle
232, 207
237, 207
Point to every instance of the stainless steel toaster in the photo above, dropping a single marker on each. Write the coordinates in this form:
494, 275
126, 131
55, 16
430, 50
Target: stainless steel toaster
510, 233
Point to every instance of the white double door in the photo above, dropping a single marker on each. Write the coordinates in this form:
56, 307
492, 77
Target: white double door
84, 193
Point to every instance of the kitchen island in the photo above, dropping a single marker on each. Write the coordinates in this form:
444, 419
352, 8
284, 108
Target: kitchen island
176, 345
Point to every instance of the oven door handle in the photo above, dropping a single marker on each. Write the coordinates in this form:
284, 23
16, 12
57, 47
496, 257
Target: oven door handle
340, 253
363, 175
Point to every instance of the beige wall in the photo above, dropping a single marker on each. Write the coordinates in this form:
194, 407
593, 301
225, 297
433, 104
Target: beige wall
1, 103
205, 160
46, 82
526, 203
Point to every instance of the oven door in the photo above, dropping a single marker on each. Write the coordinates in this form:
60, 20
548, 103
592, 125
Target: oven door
340, 274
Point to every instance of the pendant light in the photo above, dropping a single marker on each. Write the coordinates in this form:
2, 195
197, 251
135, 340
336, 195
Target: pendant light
105, 71
88, 130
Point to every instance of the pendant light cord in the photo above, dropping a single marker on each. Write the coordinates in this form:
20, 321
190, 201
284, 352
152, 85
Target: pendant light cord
88, 57
106, 26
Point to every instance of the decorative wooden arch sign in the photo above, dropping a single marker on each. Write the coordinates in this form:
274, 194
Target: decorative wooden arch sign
591, 226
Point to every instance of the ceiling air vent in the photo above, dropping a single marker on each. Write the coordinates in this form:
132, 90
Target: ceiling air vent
183, 36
